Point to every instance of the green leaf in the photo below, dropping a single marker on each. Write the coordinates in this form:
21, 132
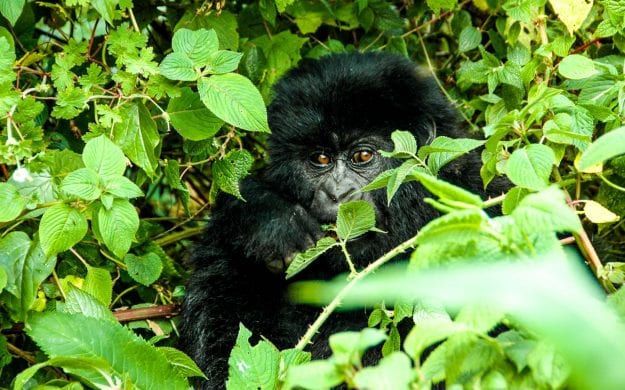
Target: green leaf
572, 12
26, 267
228, 171
317, 375
104, 157
12, 9
459, 227
83, 302
11, 203
252, 367
176, 66
303, 260
121, 187
190, 117
223, 61
95, 371
607, 146
224, 23
71, 102
98, 283
546, 211
392, 372
60, 334
182, 363
144, 269
61, 228
83, 183
234, 99
513, 197
198, 45
117, 226
577, 66
448, 193
444, 149
354, 219
405, 145
438, 5
138, 137
549, 369
469, 39
106, 8
530, 167
349, 347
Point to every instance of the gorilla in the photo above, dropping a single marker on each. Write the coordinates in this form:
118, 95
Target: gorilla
329, 119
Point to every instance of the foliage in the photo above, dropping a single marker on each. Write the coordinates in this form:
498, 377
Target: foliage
120, 121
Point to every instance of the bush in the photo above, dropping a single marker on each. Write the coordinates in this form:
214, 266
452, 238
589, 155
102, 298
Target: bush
120, 123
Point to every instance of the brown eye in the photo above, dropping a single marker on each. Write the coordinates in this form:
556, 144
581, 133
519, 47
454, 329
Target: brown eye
362, 156
320, 159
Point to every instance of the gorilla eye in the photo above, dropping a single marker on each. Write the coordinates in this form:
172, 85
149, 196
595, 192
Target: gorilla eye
362, 156
320, 158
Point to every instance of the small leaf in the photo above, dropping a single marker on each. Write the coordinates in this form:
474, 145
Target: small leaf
354, 219
196, 45
234, 99
444, 149
228, 171
182, 363
83, 183
530, 167
596, 213
469, 39
303, 260
121, 187
117, 226
546, 211
98, 284
318, 374
604, 148
82, 302
61, 228
11, 203
577, 66
191, 118
224, 61
405, 145
176, 66
144, 269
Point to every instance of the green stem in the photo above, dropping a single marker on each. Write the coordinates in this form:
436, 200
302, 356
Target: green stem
329, 309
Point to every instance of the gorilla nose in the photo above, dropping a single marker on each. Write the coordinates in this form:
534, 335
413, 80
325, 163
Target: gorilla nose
342, 195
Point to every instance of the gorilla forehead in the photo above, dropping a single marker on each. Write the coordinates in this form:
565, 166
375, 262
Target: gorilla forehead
348, 94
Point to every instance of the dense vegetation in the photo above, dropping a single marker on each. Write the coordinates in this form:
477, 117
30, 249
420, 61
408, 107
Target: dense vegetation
120, 121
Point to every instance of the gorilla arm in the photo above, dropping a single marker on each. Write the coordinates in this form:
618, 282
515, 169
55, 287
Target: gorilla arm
238, 272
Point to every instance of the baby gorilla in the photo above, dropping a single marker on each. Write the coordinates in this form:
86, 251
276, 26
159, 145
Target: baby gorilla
329, 120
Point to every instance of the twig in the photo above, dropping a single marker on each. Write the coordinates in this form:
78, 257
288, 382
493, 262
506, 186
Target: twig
329, 309
145, 313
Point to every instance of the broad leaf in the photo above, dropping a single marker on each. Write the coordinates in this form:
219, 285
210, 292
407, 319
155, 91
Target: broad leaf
61, 228
354, 219
530, 167
198, 45
252, 366
11, 203
447, 192
104, 157
60, 334
26, 267
191, 118
98, 284
392, 372
11, 10
223, 61
117, 226
83, 183
577, 66
234, 99
144, 269
572, 12
303, 260
404, 145
138, 137
176, 66
609, 145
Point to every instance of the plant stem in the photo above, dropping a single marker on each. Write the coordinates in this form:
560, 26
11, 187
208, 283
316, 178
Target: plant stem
329, 309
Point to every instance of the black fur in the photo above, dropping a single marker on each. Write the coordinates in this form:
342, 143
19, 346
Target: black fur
353, 96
